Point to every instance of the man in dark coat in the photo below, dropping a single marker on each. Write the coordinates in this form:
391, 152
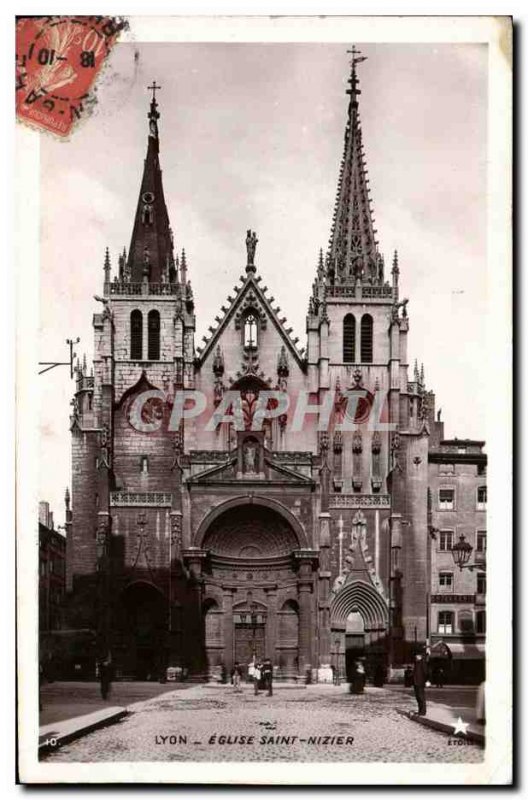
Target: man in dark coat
105, 676
419, 679
267, 675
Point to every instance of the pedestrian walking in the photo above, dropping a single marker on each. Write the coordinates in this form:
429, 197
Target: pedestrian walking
419, 681
357, 685
379, 674
105, 676
267, 675
236, 677
257, 674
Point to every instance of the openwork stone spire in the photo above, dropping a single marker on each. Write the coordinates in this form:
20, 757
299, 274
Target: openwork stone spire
151, 255
353, 251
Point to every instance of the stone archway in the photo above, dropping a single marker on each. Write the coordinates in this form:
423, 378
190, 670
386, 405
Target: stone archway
359, 617
250, 532
252, 555
145, 611
259, 504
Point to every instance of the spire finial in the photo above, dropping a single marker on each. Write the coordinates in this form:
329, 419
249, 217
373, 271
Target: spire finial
357, 58
107, 266
320, 266
153, 114
183, 267
153, 89
395, 274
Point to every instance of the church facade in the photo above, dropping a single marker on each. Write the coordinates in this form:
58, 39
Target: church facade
249, 497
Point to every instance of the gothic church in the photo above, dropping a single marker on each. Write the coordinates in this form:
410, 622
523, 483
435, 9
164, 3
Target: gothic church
194, 547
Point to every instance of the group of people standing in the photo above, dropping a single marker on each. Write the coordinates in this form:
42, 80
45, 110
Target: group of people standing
260, 672
415, 676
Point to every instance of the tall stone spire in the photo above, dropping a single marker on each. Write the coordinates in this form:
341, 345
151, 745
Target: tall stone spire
151, 248
353, 249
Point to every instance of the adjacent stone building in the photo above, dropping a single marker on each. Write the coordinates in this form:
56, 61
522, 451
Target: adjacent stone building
199, 540
458, 496
52, 573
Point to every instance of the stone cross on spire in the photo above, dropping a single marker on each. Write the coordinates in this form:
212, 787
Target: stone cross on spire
357, 58
153, 88
153, 114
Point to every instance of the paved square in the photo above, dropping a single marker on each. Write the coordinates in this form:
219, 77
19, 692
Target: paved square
314, 723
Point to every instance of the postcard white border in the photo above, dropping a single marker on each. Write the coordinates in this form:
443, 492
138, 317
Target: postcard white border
496, 769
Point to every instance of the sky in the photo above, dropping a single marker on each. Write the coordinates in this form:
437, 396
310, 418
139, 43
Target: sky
251, 136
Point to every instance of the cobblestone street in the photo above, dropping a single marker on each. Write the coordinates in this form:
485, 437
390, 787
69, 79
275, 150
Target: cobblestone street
314, 723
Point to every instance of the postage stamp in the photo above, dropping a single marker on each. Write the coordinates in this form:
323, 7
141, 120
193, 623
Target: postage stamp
270, 550
57, 62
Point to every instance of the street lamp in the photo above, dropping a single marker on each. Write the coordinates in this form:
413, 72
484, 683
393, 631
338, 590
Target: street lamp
461, 552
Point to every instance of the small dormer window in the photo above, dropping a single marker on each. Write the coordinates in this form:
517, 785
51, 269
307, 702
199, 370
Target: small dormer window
250, 331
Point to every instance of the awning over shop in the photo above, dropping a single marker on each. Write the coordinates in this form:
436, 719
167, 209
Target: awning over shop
459, 650
440, 650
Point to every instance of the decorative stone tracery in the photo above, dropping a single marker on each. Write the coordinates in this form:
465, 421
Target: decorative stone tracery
250, 304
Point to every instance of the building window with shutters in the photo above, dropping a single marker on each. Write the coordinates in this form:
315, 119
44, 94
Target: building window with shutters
153, 336
480, 620
445, 622
466, 623
482, 498
136, 335
481, 541
445, 542
446, 499
367, 339
349, 339
445, 580
481, 583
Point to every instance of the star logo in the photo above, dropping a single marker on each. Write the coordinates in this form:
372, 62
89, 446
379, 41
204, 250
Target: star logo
460, 727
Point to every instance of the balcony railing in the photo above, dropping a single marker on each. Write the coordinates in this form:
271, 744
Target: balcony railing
381, 292
125, 288
339, 500
140, 499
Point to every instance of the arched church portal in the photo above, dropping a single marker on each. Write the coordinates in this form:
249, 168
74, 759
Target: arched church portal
359, 622
145, 615
253, 606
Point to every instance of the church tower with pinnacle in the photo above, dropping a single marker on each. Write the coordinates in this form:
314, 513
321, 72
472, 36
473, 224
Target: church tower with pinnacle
250, 497
357, 328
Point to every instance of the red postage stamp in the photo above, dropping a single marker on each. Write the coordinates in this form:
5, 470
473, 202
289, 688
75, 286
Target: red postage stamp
57, 62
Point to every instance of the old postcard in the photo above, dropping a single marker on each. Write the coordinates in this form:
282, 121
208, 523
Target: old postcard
265, 266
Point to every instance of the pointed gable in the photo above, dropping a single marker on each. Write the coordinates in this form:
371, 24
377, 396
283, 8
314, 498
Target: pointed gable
250, 295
